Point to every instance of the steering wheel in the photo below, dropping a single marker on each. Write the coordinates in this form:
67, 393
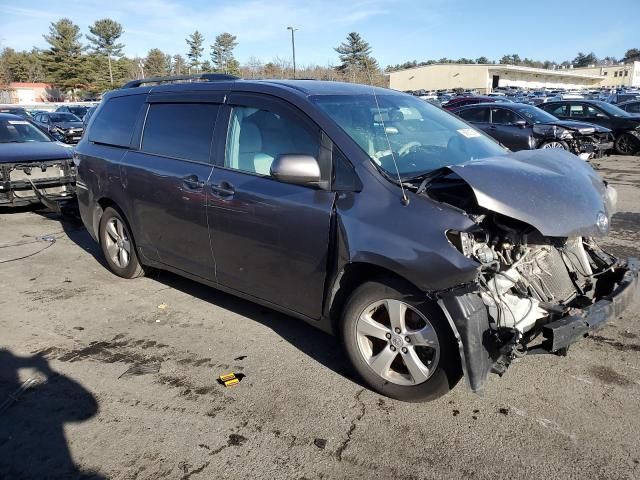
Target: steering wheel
406, 148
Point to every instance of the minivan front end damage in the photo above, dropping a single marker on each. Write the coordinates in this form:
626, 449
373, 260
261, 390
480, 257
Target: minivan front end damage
542, 281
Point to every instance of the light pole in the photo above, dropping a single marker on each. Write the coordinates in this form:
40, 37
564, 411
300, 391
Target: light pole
293, 48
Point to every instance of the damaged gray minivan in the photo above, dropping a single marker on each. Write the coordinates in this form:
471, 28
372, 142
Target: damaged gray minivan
429, 249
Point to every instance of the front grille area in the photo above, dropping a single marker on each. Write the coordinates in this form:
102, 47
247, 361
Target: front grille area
53, 178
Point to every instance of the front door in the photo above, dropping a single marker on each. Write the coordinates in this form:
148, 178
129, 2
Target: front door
270, 239
167, 180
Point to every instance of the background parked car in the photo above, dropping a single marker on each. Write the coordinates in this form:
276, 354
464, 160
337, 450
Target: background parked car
21, 112
78, 110
458, 102
29, 155
632, 107
64, 126
88, 115
625, 126
525, 127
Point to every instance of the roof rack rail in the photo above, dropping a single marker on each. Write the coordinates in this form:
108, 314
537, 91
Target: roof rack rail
209, 77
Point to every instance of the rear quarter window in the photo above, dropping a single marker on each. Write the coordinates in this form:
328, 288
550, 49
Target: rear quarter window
115, 122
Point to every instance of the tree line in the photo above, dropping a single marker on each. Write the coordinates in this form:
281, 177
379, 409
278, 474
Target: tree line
85, 65
581, 60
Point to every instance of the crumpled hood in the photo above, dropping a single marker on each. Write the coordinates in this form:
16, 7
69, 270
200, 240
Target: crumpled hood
68, 125
573, 125
552, 190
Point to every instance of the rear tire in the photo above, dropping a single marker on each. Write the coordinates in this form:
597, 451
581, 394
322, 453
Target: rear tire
399, 344
117, 245
626, 144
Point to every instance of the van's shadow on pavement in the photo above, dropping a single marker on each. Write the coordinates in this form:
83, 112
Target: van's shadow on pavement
318, 345
32, 440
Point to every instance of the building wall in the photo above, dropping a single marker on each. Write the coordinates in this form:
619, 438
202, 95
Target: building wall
27, 93
541, 79
444, 76
480, 78
627, 75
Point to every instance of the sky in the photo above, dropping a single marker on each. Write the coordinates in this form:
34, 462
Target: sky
397, 30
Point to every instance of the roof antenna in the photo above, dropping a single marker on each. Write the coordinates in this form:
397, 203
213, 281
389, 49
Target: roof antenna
404, 199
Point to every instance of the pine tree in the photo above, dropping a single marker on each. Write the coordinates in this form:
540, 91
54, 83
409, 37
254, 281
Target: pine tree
155, 63
105, 35
64, 61
355, 55
207, 67
222, 54
179, 66
631, 55
194, 54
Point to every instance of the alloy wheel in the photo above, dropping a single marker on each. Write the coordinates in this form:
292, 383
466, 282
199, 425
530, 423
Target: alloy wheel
117, 242
625, 145
398, 342
553, 145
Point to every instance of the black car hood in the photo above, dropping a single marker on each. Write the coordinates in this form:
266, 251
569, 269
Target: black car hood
575, 126
68, 125
32, 152
551, 189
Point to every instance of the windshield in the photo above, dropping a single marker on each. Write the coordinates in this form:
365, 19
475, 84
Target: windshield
79, 111
613, 110
20, 131
536, 115
63, 117
420, 136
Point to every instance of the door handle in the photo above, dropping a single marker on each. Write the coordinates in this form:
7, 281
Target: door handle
192, 182
493, 127
223, 189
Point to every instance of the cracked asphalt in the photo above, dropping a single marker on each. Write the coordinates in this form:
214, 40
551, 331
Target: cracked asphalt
74, 331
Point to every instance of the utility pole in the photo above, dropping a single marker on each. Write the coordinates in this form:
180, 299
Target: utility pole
293, 48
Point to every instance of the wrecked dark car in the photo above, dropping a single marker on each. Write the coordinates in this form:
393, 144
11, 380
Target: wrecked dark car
624, 125
33, 166
430, 250
525, 127
63, 126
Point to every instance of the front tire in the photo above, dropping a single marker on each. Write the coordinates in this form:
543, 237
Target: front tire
626, 144
554, 144
400, 345
118, 246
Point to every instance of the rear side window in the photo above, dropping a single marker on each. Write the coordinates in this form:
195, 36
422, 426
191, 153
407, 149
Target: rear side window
475, 115
558, 110
500, 116
115, 122
180, 130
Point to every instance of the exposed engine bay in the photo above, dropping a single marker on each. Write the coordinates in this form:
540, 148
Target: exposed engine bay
525, 279
535, 290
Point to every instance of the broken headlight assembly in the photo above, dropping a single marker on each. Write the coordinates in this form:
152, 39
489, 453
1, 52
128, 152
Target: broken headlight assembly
473, 244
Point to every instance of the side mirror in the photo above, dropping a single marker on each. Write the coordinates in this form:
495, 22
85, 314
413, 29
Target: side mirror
297, 169
520, 123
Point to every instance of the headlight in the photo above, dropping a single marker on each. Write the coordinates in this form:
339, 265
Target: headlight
461, 240
564, 134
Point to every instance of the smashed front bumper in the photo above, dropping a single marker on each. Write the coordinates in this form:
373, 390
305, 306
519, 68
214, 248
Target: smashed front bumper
28, 183
484, 349
594, 147
560, 334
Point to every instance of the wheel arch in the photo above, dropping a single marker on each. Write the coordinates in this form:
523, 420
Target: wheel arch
350, 277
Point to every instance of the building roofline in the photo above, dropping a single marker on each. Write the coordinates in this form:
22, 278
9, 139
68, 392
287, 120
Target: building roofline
518, 68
